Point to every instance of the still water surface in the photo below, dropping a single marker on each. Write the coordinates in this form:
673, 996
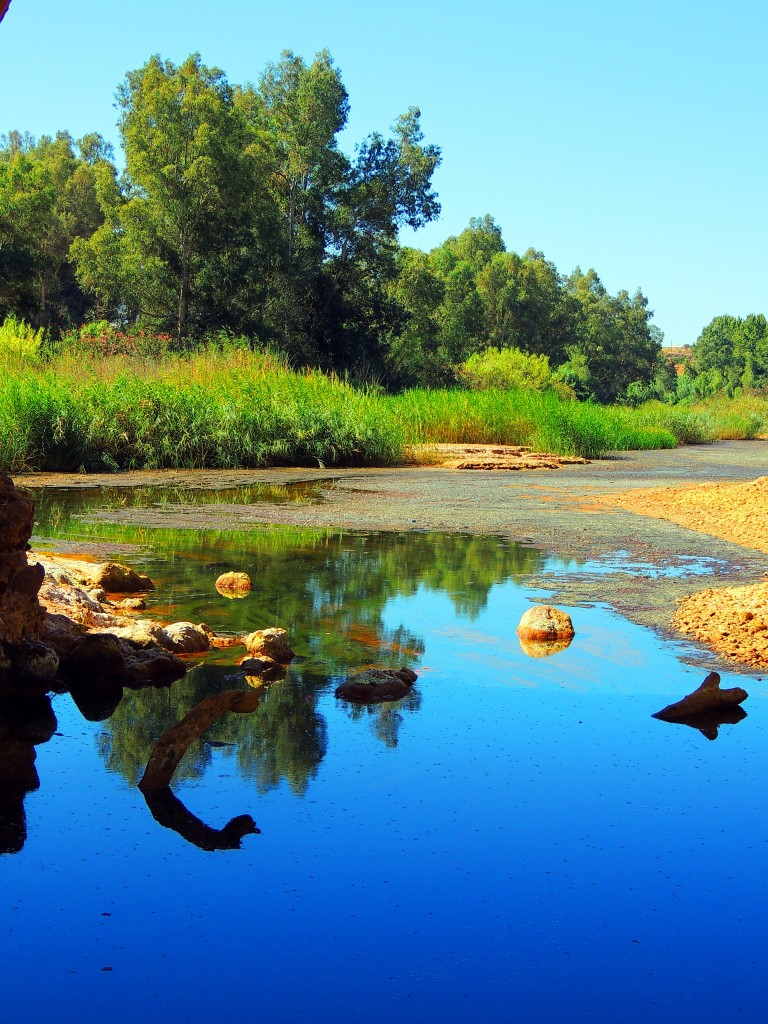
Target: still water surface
516, 841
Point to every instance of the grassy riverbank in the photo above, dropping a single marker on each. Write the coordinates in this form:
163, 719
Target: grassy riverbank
240, 409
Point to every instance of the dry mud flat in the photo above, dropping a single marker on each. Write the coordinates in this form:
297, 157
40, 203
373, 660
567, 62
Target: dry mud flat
635, 514
732, 620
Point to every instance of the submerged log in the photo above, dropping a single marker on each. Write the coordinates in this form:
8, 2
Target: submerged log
172, 745
708, 697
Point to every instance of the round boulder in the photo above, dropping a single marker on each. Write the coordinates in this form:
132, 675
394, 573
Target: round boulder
234, 584
270, 643
376, 685
119, 579
186, 638
543, 622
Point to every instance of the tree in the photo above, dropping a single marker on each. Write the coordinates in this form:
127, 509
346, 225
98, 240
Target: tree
615, 343
732, 352
48, 199
180, 232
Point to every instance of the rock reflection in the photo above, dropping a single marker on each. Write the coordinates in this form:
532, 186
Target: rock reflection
166, 808
24, 723
543, 648
708, 722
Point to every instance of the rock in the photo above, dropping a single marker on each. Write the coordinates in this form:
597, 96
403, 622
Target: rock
262, 670
271, 643
376, 685
130, 604
62, 634
143, 633
97, 655
20, 612
27, 580
98, 594
543, 622
708, 697
61, 597
186, 638
103, 660
34, 661
120, 579
16, 514
152, 667
234, 584
254, 666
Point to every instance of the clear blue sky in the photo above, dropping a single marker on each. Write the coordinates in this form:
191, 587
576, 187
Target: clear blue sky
627, 137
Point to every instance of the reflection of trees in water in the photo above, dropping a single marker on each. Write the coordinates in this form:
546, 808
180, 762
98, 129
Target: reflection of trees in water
284, 738
386, 718
328, 589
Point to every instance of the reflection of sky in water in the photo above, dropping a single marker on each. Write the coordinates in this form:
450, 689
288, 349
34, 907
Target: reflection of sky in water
534, 847
621, 562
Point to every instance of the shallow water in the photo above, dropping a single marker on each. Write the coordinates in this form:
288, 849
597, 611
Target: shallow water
517, 841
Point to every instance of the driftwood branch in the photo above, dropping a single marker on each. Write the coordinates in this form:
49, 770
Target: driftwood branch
708, 697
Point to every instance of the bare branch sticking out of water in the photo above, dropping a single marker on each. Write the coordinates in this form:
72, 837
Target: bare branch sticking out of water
708, 697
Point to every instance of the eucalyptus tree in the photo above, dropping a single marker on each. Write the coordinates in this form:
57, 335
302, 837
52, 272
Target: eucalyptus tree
48, 199
181, 231
615, 343
327, 300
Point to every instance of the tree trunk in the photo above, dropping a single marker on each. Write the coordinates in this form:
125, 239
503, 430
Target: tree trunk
184, 290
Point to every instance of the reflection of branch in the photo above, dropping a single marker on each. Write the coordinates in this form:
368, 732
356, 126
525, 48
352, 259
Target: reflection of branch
4, 5
172, 745
171, 813
709, 722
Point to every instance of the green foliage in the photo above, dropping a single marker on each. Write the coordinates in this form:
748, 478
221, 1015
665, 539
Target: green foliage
48, 200
509, 368
202, 411
19, 343
729, 356
539, 420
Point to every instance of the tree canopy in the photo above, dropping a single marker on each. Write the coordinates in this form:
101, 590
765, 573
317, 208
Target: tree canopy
237, 209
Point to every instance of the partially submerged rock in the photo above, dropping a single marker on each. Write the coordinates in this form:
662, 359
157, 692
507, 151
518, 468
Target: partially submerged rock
262, 670
116, 578
270, 643
376, 685
708, 697
186, 638
234, 584
543, 622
